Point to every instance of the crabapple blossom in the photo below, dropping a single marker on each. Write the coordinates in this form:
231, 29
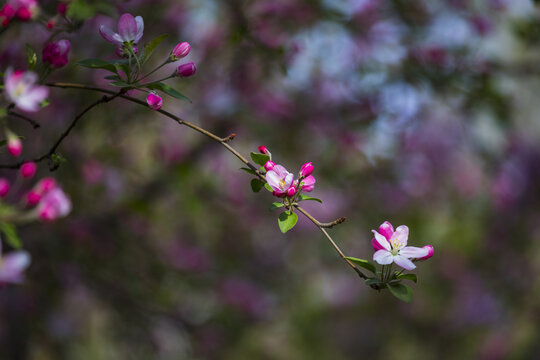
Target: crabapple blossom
56, 53
130, 31
186, 70
53, 204
180, 51
28, 169
4, 187
306, 169
21, 88
33, 197
269, 165
12, 266
394, 248
308, 184
14, 144
280, 180
154, 101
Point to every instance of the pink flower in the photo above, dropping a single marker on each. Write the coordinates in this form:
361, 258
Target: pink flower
186, 70
262, 149
180, 51
130, 31
308, 184
28, 169
4, 187
269, 165
62, 8
306, 169
292, 191
395, 249
154, 101
387, 230
23, 9
430, 252
56, 53
45, 185
12, 266
32, 198
54, 204
280, 180
21, 89
14, 144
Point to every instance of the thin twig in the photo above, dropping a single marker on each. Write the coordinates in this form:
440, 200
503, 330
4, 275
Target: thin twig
32, 122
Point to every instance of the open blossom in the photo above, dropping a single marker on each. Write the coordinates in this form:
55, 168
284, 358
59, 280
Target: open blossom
56, 53
280, 180
154, 101
53, 205
12, 266
392, 247
130, 30
21, 88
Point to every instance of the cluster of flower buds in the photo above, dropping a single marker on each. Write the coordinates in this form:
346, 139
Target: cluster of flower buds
56, 53
61, 11
24, 10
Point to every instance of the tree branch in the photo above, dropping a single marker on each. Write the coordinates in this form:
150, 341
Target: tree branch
32, 122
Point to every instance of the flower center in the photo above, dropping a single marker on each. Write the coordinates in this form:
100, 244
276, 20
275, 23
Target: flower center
397, 243
20, 89
282, 184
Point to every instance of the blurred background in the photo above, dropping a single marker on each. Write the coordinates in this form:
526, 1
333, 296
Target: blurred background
418, 112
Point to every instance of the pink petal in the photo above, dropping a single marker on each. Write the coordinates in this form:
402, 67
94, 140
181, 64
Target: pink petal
376, 245
280, 170
381, 240
110, 35
273, 179
127, 27
140, 28
404, 262
288, 180
383, 257
387, 230
402, 234
413, 252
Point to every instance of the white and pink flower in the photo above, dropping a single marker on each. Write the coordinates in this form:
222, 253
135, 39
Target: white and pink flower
12, 266
280, 180
21, 88
391, 246
130, 30
53, 205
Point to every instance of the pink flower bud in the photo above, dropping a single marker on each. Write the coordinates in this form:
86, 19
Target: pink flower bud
56, 53
387, 230
8, 11
28, 169
262, 149
430, 253
62, 8
45, 185
308, 184
154, 101
4, 187
291, 191
269, 165
278, 194
186, 70
24, 14
306, 169
180, 51
14, 144
32, 198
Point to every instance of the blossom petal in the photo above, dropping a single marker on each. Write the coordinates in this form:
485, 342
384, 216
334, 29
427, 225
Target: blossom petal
273, 179
140, 28
413, 252
30, 101
404, 262
383, 257
288, 181
402, 235
382, 241
110, 35
280, 170
127, 27
387, 230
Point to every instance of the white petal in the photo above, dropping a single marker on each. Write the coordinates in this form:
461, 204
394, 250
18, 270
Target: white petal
401, 235
273, 179
383, 257
404, 262
140, 28
289, 180
382, 240
413, 252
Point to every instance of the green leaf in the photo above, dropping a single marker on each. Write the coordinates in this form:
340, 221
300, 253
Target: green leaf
268, 187
287, 220
120, 84
99, 64
411, 277
248, 170
373, 281
305, 197
256, 185
401, 291
32, 57
3, 112
363, 263
152, 45
259, 159
166, 89
113, 77
276, 205
11, 236
84, 9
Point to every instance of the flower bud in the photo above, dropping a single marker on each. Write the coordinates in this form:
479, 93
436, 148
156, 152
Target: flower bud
154, 101
28, 169
262, 149
180, 51
50, 24
4, 187
269, 165
32, 198
278, 194
306, 169
186, 70
430, 252
45, 185
24, 14
62, 8
291, 191
14, 144
308, 184
56, 53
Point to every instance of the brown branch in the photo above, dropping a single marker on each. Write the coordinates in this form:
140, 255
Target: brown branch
32, 122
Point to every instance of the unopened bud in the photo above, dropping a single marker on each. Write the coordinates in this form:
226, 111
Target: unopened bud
180, 51
269, 165
28, 169
291, 191
186, 70
306, 169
